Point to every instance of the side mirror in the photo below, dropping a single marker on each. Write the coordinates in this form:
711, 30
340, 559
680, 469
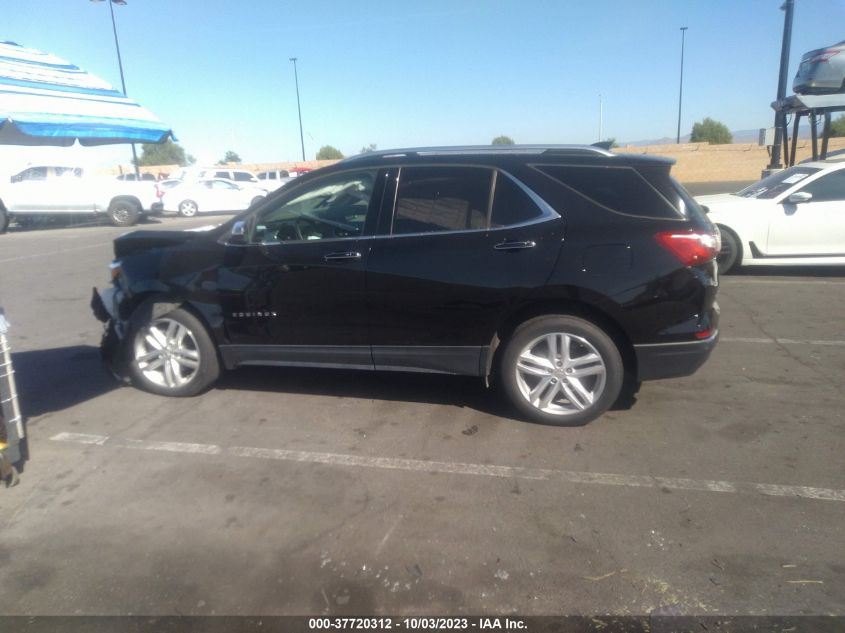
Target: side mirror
800, 196
238, 235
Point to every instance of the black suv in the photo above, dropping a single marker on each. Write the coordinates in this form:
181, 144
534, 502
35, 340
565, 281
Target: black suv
562, 272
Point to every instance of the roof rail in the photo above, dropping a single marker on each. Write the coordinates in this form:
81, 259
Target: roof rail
484, 149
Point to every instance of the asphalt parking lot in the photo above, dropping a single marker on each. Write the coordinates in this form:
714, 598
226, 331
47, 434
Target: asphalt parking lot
286, 491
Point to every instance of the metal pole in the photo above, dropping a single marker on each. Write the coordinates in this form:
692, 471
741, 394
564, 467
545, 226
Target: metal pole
298, 107
780, 118
601, 118
123, 83
681, 89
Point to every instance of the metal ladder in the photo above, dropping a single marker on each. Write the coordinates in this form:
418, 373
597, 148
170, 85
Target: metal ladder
11, 421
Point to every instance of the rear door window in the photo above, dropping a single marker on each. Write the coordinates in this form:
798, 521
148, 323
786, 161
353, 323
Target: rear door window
437, 199
511, 204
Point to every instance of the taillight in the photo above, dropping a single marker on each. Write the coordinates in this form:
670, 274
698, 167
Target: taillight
159, 192
690, 247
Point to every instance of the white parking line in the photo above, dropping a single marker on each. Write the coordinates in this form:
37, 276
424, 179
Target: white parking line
458, 468
781, 341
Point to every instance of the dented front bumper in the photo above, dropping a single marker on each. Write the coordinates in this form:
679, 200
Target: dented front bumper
104, 305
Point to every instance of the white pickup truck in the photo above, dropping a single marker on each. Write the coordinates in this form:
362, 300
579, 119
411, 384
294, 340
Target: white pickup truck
42, 191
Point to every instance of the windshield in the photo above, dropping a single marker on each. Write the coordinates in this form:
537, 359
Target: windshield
776, 184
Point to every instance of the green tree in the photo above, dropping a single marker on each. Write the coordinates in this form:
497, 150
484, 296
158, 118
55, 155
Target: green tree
327, 152
230, 157
837, 126
710, 131
368, 148
167, 153
502, 140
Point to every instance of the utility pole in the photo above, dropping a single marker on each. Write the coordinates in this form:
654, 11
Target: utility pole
120, 66
780, 118
601, 119
298, 108
681, 89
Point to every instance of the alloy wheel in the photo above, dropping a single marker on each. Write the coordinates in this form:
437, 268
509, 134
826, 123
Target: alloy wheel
560, 374
166, 353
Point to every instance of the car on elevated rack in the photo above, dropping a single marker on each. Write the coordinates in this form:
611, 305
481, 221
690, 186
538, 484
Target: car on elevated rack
795, 217
564, 274
821, 71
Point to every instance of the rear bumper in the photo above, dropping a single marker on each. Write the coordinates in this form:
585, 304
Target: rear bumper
672, 360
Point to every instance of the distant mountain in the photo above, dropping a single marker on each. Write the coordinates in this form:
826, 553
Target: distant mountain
739, 136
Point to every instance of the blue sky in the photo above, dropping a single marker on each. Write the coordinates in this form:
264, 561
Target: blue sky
398, 73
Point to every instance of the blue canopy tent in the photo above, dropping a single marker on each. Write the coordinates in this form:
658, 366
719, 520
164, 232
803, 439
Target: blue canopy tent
45, 100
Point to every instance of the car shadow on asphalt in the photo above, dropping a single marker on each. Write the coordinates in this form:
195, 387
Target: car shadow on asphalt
440, 389
50, 380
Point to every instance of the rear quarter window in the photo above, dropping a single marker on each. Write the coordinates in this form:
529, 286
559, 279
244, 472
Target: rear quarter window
620, 189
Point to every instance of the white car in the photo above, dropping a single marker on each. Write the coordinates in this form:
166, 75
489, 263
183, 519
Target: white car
274, 179
50, 191
216, 194
793, 217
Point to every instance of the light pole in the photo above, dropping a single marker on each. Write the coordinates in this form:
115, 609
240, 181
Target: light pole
120, 66
601, 119
681, 89
788, 8
298, 107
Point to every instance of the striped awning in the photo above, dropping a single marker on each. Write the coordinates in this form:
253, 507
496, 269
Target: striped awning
45, 100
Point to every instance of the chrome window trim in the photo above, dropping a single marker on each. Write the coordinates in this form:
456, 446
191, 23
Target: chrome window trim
509, 227
320, 241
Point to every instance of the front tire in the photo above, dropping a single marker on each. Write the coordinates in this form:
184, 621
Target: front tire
172, 355
4, 220
123, 213
188, 208
731, 254
561, 370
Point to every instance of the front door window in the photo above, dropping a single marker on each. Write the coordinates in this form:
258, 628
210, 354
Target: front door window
333, 208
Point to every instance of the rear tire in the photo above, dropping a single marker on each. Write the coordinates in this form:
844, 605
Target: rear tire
188, 208
561, 370
256, 200
123, 213
4, 220
171, 355
731, 254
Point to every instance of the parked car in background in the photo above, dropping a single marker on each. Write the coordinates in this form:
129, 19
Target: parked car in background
133, 177
273, 179
235, 175
794, 217
47, 191
821, 71
203, 196
560, 273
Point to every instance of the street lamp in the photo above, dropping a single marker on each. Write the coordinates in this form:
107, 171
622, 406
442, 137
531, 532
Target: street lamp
298, 107
788, 8
120, 66
681, 89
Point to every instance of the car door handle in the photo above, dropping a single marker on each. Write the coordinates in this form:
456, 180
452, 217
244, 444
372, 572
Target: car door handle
508, 245
343, 257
